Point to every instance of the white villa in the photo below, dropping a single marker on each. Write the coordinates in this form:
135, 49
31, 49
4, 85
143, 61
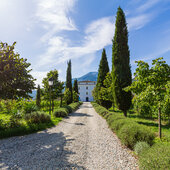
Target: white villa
85, 90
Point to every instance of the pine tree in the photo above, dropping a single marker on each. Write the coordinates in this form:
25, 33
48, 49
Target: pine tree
75, 86
102, 72
69, 81
121, 72
38, 97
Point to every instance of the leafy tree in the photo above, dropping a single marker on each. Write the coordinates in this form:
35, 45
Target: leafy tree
55, 89
121, 72
67, 96
151, 84
69, 81
38, 97
75, 96
75, 86
106, 91
75, 91
102, 72
15, 78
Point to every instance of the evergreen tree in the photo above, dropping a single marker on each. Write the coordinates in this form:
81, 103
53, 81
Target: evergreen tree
102, 72
38, 97
69, 81
75, 86
121, 72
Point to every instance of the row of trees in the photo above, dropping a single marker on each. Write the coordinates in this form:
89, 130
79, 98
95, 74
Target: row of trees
110, 86
71, 94
150, 88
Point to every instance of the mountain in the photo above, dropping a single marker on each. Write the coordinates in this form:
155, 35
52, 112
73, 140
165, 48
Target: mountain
91, 76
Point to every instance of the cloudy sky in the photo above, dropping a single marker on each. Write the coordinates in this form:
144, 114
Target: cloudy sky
50, 32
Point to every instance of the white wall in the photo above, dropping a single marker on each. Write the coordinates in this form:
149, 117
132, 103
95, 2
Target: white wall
83, 91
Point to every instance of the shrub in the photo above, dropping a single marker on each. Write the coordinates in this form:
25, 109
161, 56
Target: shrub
132, 133
61, 112
140, 147
155, 158
64, 111
29, 107
37, 117
113, 118
117, 125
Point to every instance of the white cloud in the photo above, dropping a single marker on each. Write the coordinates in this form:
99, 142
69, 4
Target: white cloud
98, 34
147, 5
137, 22
55, 16
39, 75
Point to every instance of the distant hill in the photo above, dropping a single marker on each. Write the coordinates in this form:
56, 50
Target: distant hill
91, 76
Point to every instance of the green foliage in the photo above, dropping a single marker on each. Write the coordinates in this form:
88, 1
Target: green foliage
75, 86
61, 112
69, 82
151, 87
29, 107
38, 97
99, 94
121, 73
55, 90
37, 117
16, 80
67, 96
64, 111
132, 133
141, 147
75, 96
155, 158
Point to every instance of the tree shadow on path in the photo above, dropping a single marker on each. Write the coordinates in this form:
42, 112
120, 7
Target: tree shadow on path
44, 150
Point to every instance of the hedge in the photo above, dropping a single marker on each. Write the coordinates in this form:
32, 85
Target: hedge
155, 158
64, 111
128, 131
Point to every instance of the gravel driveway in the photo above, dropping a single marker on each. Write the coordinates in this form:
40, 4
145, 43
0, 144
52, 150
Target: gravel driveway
82, 141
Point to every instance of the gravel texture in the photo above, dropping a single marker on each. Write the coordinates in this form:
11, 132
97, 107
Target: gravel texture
81, 141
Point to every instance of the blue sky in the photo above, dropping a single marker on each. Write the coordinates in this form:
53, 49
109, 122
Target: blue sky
50, 32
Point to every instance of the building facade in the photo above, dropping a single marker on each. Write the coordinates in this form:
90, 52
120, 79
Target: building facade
85, 90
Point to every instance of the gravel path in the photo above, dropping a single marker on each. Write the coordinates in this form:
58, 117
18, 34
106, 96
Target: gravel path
82, 141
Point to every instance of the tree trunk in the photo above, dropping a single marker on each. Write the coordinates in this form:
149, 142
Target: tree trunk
159, 120
125, 113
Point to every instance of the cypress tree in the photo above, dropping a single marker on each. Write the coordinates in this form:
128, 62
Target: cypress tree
38, 97
69, 80
121, 72
75, 86
102, 72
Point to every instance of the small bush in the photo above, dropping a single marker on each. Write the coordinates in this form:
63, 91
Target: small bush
132, 133
113, 118
37, 117
141, 147
64, 111
61, 112
155, 158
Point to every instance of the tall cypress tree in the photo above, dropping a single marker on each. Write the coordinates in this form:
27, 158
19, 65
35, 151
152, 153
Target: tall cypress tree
69, 80
75, 86
102, 72
121, 72
38, 97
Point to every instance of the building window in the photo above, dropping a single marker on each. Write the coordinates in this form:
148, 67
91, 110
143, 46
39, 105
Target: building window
87, 87
86, 93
